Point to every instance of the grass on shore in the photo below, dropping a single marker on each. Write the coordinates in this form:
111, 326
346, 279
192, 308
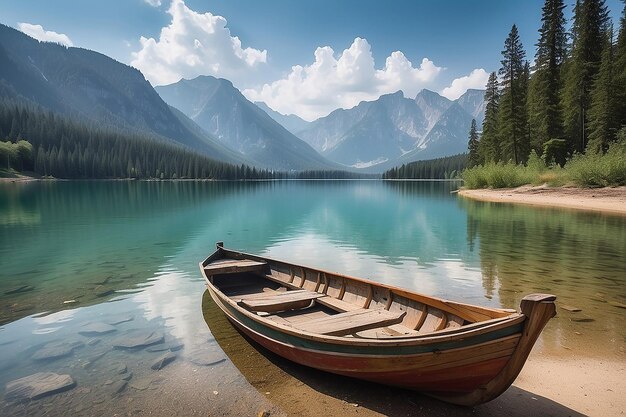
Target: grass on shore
588, 170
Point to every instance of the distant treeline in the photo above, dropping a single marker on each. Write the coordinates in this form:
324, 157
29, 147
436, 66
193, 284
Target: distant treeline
65, 148
440, 168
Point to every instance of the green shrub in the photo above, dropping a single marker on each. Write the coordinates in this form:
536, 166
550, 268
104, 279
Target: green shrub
500, 175
588, 170
597, 170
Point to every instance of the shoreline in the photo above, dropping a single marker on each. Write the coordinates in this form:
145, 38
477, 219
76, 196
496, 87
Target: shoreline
608, 200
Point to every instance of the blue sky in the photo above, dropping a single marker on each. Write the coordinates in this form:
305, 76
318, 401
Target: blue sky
454, 37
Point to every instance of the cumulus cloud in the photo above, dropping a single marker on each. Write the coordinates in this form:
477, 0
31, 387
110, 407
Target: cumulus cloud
39, 33
153, 3
476, 79
314, 90
194, 44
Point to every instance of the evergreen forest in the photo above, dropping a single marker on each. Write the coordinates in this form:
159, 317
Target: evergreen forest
571, 101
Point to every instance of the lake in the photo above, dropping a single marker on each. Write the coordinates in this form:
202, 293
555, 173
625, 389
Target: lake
90, 267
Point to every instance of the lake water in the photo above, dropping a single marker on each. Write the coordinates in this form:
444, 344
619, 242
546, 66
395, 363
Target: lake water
87, 265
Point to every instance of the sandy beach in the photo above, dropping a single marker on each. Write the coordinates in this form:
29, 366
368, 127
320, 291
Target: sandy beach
607, 200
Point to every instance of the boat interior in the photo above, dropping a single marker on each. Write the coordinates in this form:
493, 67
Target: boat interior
329, 304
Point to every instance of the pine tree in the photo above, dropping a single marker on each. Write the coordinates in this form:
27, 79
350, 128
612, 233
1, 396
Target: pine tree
591, 21
620, 72
602, 117
544, 94
489, 145
512, 120
472, 146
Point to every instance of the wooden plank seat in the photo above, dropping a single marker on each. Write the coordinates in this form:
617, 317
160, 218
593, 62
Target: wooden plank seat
338, 305
279, 301
351, 322
231, 266
393, 330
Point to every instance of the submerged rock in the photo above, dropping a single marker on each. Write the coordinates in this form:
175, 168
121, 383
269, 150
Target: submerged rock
56, 350
118, 387
96, 329
90, 361
21, 289
141, 384
138, 338
121, 368
119, 319
203, 357
38, 385
93, 342
171, 346
104, 293
163, 361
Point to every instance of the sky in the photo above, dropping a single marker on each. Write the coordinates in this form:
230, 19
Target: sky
302, 57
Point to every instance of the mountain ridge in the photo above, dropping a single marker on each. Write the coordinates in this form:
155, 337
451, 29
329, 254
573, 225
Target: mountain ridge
377, 134
220, 109
291, 122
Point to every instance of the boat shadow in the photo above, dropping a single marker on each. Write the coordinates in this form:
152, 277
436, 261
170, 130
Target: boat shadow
304, 391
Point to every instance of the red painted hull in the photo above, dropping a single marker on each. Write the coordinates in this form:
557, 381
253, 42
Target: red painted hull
402, 371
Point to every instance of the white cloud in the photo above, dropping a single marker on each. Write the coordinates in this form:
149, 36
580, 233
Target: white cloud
195, 44
39, 33
314, 90
476, 79
153, 3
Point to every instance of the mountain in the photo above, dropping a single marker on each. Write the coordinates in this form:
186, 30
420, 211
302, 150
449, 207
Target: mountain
473, 102
220, 109
376, 135
325, 133
88, 86
388, 129
432, 106
448, 136
291, 122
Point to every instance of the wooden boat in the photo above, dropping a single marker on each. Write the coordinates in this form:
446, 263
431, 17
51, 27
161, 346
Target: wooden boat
460, 353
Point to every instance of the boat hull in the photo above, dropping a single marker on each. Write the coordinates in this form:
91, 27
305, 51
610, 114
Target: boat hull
460, 369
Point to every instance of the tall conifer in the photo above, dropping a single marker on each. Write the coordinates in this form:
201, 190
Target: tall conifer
620, 72
472, 146
591, 20
489, 142
512, 121
544, 102
602, 113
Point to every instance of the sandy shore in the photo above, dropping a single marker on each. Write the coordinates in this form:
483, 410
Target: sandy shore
607, 200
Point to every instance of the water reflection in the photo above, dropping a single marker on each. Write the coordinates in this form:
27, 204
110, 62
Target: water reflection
78, 254
581, 257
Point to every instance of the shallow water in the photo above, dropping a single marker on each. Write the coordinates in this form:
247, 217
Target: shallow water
78, 253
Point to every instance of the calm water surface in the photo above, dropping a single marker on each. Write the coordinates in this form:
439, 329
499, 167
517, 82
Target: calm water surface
87, 265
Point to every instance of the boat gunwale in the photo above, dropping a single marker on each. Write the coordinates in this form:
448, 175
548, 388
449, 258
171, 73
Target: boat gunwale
398, 290
466, 331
